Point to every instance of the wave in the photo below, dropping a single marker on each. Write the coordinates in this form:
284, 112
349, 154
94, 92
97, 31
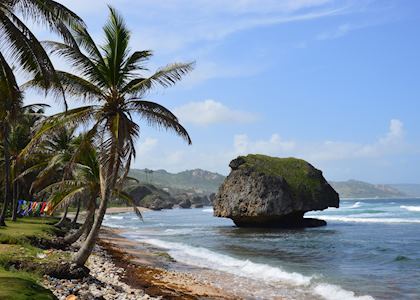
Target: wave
368, 220
411, 208
178, 231
114, 217
356, 205
208, 210
333, 292
205, 258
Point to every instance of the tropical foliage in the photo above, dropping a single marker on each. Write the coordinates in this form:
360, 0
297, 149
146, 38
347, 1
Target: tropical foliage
19, 48
83, 154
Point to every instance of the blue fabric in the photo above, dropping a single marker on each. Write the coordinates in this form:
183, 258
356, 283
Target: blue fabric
19, 207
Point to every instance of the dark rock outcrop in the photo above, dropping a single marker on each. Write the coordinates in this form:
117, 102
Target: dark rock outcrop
185, 203
263, 191
147, 195
212, 196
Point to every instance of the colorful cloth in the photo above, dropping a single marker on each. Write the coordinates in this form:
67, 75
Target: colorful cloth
44, 205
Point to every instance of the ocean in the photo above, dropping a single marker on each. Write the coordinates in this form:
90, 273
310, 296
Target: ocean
370, 249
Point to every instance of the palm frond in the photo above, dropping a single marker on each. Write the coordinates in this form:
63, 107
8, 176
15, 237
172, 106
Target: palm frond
164, 77
116, 49
130, 201
26, 49
158, 116
77, 116
76, 58
54, 15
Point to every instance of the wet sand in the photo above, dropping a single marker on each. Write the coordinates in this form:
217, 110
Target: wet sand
152, 270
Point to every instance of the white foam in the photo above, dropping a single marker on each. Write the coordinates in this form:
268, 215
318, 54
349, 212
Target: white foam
333, 292
206, 258
203, 257
116, 217
411, 208
368, 220
356, 205
178, 231
208, 210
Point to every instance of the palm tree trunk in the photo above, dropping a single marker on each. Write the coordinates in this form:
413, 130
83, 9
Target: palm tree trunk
108, 181
7, 195
74, 222
86, 227
15, 200
87, 231
63, 218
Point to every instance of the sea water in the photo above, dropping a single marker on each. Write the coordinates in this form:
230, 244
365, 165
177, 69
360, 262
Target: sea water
370, 249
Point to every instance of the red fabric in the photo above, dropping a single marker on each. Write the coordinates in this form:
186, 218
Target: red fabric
44, 204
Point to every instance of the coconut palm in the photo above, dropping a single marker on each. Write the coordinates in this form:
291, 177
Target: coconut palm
10, 107
110, 80
20, 135
54, 157
83, 186
25, 52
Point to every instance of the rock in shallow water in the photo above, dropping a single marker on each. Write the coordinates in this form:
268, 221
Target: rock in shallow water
263, 191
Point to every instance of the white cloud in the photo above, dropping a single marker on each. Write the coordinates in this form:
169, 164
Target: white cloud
172, 25
395, 133
338, 159
211, 112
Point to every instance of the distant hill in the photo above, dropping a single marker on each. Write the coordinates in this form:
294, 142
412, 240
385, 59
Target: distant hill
411, 190
201, 181
197, 180
360, 189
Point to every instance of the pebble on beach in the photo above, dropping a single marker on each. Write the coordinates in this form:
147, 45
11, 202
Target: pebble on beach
103, 282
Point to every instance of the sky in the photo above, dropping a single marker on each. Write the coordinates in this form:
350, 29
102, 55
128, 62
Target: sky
336, 83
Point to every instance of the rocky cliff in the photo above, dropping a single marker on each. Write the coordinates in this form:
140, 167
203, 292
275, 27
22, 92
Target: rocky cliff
150, 196
263, 191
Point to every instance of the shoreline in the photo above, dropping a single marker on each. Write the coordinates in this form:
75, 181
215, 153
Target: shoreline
151, 269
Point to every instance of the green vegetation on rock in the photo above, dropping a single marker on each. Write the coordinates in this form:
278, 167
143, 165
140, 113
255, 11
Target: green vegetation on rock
299, 174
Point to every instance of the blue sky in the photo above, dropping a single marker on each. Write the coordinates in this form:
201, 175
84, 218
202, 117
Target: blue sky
332, 82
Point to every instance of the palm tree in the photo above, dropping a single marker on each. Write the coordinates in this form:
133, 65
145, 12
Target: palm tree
56, 155
20, 135
27, 53
110, 79
84, 186
10, 108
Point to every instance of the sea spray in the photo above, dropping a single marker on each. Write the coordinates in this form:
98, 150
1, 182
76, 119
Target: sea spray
411, 208
205, 258
368, 220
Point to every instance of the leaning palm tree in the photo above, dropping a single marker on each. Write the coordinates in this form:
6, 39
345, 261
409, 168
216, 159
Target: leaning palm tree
56, 154
110, 78
83, 186
26, 52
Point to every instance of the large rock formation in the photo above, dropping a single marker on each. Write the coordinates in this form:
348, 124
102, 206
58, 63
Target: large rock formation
263, 191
